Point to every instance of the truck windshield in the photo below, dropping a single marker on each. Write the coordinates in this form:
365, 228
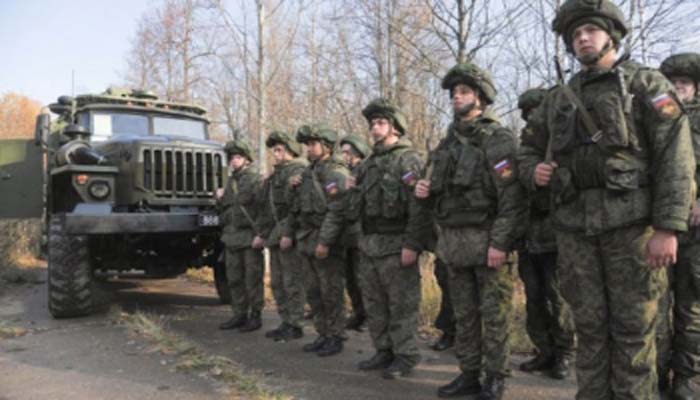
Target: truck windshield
106, 125
179, 127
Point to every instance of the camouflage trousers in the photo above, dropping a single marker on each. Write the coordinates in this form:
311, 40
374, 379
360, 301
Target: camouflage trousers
549, 322
287, 283
614, 295
325, 293
392, 296
245, 270
445, 320
686, 312
352, 266
483, 302
664, 330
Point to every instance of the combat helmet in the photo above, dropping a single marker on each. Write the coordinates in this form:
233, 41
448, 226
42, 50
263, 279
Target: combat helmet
684, 64
384, 108
602, 13
239, 146
319, 131
473, 76
358, 143
530, 99
283, 138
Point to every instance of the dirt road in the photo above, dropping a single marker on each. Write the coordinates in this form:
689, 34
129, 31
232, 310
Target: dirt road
92, 358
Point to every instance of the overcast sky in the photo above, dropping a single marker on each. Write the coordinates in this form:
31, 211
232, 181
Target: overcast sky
43, 41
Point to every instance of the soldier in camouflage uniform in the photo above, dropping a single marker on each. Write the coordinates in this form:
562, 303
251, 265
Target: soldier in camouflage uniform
478, 205
354, 149
244, 264
319, 190
614, 147
286, 272
549, 321
683, 70
382, 201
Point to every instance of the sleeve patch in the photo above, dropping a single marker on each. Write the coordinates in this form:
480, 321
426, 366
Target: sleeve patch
666, 106
332, 188
504, 169
409, 178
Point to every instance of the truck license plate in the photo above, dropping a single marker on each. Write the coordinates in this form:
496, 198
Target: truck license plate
208, 220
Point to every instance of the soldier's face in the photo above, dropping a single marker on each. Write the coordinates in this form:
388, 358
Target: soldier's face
237, 162
588, 42
349, 155
380, 128
280, 153
685, 87
314, 149
464, 98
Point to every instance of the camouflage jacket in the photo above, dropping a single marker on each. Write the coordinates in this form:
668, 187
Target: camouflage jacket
240, 197
638, 166
275, 200
321, 190
693, 110
353, 230
474, 181
383, 202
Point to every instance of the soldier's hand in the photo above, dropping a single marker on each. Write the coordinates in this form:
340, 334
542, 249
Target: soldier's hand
422, 189
408, 257
295, 180
258, 243
285, 243
543, 173
219, 193
695, 214
495, 257
662, 249
321, 251
350, 182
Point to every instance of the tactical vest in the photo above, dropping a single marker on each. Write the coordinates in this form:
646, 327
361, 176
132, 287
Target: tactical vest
385, 197
234, 216
312, 201
466, 196
277, 189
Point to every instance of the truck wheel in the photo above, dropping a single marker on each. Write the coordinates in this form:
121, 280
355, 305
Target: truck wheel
70, 275
221, 282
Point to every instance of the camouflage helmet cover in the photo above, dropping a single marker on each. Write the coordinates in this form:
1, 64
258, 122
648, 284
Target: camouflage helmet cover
531, 98
603, 13
384, 108
358, 143
318, 131
283, 138
472, 76
684, 64
239, 146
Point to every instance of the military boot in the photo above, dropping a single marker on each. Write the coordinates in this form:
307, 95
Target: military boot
494, 387
274, 333
236, 322
685, 387
332, 346
540, 362
467, 383
253, 324
446, 341
561, 368
399, 368
289, 332
316, 345
380, 359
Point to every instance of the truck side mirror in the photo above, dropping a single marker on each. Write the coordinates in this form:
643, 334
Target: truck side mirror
41, 130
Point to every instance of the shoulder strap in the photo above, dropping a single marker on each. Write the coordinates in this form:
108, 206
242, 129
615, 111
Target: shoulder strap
588, 122
234, 188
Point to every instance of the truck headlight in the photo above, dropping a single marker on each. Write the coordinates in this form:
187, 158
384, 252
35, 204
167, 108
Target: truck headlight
99, 190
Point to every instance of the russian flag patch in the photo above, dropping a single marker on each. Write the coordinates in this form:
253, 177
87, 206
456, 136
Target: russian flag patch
666, 105
504, 168
332, 188
409, 178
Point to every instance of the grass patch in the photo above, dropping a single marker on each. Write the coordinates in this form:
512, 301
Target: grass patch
9, 332
201, 275
19, 247
192, 359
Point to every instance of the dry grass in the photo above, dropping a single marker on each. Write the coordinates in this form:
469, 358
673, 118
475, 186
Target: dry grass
19, 247
9, 332
192, 359
200, 275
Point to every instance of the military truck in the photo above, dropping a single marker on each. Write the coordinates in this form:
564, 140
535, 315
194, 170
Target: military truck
124, 182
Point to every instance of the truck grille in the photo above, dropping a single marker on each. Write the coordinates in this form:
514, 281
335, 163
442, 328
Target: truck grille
171, 173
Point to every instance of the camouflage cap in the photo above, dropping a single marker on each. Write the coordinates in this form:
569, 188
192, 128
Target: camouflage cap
384, 108
531, 98
358, 143
279, 137
241, 147
602, 13
472, 76
318, 131
684, 64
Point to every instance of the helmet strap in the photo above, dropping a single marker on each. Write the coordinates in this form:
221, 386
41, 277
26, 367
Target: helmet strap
593, 60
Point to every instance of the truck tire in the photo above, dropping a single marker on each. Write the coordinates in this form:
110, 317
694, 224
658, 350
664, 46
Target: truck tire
70, 274
221, 282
